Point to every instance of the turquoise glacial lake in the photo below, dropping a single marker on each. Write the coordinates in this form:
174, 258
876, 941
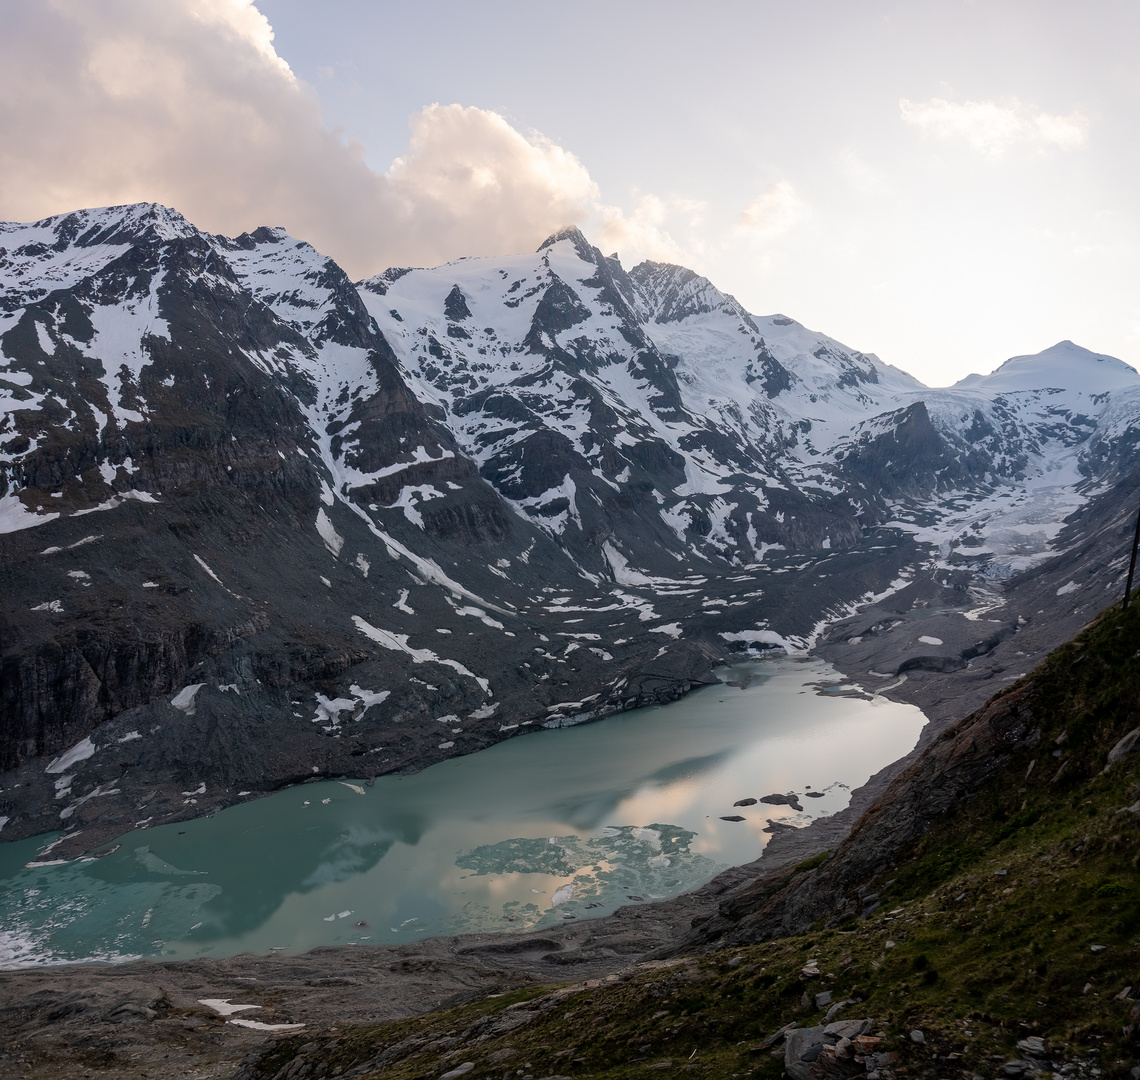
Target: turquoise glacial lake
543, 828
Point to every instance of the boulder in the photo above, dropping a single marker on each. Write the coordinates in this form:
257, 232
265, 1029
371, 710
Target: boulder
848, 1029
1123, 748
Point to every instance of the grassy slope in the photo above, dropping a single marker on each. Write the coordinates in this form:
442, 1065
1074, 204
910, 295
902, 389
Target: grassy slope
973, 957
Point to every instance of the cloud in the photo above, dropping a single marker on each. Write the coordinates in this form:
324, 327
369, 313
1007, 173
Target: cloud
470, 183
992, 127
773, 212
647, 233
187, 103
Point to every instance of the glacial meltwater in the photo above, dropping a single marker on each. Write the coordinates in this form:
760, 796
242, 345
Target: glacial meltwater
542, 828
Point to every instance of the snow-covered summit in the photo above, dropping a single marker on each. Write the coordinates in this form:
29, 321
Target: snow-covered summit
1063, 366
672, 293
54, 253
564, 377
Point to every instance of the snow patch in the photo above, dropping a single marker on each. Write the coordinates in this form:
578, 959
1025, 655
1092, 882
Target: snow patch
333, 540
184, 699
202, 563
223, 1007
399, 643
81, 751
14, 515
257, 1025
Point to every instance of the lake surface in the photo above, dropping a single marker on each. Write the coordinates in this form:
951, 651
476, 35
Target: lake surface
535, 830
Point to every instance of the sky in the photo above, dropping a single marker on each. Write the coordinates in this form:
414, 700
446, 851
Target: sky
946, 183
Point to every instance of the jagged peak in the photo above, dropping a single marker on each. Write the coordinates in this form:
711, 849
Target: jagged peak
586, 251
672, 293
104, 225
264, 234
379, 283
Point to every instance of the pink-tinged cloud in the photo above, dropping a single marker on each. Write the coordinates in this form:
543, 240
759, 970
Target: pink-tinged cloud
187, 103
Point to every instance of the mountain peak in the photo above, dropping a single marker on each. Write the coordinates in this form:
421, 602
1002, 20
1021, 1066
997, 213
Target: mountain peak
575, 235
104, 225
673, 293
1065, 365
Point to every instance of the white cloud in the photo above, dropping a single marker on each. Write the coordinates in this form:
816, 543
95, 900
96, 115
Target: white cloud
187, 103
773, 212
994, 127
471, 184
647, 233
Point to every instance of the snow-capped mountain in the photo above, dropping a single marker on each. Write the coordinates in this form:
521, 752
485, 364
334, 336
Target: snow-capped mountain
585, 394
260, 522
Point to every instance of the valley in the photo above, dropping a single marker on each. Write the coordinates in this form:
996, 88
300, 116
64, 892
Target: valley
264, 525
266, 530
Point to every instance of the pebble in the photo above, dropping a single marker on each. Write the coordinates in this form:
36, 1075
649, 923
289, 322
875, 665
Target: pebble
731, 817
745, 802
918, 1038
824, 998
1097, 948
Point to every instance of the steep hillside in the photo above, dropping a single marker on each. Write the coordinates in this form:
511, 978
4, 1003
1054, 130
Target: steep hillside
981, 919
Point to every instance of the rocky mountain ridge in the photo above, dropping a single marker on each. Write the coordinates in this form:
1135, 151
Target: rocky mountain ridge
262, 523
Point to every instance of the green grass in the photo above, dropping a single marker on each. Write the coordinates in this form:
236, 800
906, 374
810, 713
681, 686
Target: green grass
975, 958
